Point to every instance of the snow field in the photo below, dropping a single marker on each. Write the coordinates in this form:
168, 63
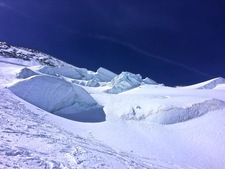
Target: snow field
30, 138
113, 121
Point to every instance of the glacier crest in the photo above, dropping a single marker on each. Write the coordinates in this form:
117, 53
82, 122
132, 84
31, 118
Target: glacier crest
126, 81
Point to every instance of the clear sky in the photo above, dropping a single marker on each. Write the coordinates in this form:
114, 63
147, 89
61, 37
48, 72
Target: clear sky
175, 42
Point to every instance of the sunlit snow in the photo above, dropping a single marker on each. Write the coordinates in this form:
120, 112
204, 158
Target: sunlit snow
55, 115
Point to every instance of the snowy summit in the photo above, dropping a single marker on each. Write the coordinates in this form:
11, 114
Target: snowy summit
56, 115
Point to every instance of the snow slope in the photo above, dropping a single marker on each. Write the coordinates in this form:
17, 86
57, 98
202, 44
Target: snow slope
210, 84
60, 116
29, 140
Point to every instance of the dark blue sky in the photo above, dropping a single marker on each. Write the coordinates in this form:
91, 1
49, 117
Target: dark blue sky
175, 42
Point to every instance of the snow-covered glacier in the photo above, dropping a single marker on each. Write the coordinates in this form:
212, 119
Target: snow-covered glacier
56, 115
209, 84
59, 97
126, 81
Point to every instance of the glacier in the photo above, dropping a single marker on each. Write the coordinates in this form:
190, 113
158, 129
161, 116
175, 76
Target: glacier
59, 97
56, 115
209, 84
126, 81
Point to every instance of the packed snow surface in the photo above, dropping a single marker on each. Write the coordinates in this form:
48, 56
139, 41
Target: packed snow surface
54, 115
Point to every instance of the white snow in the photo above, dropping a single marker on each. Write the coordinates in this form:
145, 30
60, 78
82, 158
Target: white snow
210, 84
64, 71
126, 81
25, 73
220, 87
75, 75
146, 125
29, 140
58, 97
104, 75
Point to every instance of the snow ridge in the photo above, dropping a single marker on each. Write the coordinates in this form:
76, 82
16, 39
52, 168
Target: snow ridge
31, 55
126, 81
209, 84
177, 115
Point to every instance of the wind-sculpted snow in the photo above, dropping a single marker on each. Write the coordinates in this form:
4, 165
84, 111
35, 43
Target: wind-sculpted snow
59, 97
160, 105
76, 75
95, 79
214, 83
91, 78
126, 81
70, 72
179, 114
161, 110
210, 84
25, 73
104, 75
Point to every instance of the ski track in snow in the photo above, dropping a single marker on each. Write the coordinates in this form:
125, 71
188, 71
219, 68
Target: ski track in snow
29, 141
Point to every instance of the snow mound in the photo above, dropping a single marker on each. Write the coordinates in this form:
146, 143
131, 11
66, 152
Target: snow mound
126, 81
25, 73
210, 84
70, 72
59, 97
149, 81
213, 83
104, 75
179, 114
220, 87
76, 75
95, 79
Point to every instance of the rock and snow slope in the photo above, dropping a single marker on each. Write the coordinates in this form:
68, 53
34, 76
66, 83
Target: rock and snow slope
137, 122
